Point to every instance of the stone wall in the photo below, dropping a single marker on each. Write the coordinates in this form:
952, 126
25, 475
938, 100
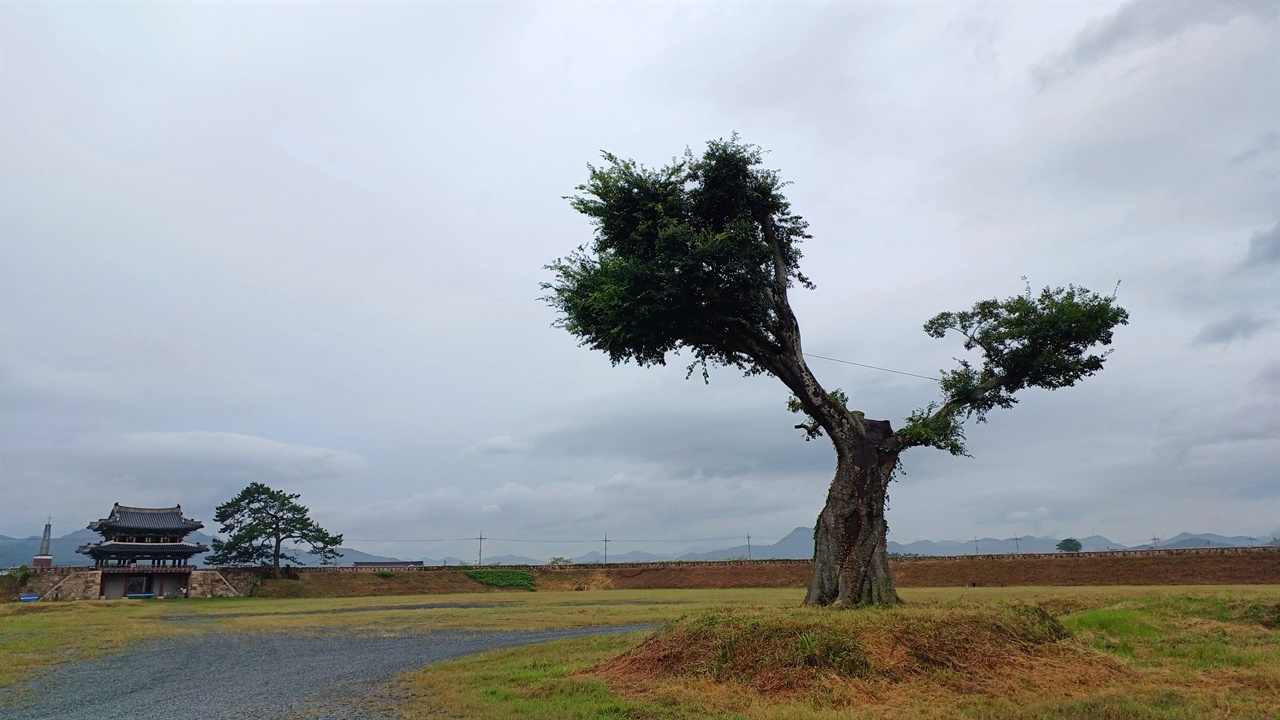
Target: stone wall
245, 581
81, 584
71, 585
209, 584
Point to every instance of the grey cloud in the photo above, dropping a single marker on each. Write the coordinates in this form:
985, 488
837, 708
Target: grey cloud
1240, 326
1257, 421
704, 443
1138, 23
500, 445
1268, 378
1264, 247
222, 458
203, 281
312, 156
78, 476
184, 456
1267, 144
644, 507
232, 450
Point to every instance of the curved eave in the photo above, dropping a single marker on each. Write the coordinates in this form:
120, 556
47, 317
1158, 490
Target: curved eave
185, 526
141, 549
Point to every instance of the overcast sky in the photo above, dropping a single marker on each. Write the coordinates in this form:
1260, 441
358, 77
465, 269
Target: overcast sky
301, 244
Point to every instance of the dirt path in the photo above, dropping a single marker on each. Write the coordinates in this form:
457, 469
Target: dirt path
265, 675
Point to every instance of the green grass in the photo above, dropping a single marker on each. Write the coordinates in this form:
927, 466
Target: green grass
1183, 652
39, 635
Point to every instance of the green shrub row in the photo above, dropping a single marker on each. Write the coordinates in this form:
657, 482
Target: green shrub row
503, 578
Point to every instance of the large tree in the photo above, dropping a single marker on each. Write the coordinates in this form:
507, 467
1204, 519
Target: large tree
259, 521
700, 256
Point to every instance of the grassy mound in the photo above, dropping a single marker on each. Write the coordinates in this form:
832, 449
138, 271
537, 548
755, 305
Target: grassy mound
799, 650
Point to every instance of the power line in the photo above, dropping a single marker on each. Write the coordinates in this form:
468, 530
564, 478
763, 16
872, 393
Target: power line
870, 367
433, 540
525, 540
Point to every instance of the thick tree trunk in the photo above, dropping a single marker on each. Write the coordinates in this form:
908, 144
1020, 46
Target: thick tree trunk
850, 561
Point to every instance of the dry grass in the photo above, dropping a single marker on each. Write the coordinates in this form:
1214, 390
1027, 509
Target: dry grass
519, 610
37, 636
841, 659
1026, 654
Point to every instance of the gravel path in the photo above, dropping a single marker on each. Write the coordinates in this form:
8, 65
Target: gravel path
219, 676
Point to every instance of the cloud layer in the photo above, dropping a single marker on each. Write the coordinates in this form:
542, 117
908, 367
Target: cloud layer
304, 246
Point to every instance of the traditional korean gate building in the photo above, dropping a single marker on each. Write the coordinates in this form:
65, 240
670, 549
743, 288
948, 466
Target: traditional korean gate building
143, 552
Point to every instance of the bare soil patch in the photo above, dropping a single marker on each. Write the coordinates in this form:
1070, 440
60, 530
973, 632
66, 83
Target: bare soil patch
1243, 569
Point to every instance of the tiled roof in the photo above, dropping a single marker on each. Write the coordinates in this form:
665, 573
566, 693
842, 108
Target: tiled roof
123, 517
111, 546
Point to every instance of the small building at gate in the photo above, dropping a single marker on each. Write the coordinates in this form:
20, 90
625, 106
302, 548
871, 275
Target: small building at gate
144, 552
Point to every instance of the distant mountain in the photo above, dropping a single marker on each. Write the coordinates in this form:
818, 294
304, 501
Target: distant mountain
1205, 540
20, 551
993, 546
349, 557
633, 556
1096, 543
797, 545
1219, 540
511, 560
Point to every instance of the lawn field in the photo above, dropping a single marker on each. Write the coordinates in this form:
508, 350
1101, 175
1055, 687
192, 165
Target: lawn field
1051, 652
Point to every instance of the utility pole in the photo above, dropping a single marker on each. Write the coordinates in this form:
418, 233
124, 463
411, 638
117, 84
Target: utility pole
1016, 550
1155, 543
606, 548
975, 544
748, 546
480, 555
1250, 541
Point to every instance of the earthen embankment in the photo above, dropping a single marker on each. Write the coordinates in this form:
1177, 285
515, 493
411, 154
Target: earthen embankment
1235, 566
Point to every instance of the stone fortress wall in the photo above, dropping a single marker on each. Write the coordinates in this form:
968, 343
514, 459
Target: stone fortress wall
73, 582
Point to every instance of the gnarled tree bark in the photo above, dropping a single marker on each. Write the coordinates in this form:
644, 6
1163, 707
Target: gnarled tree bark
850, 560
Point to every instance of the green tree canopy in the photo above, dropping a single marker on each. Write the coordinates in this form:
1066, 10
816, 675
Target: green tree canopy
699, 257
693, 256
1069, 545
259, 521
